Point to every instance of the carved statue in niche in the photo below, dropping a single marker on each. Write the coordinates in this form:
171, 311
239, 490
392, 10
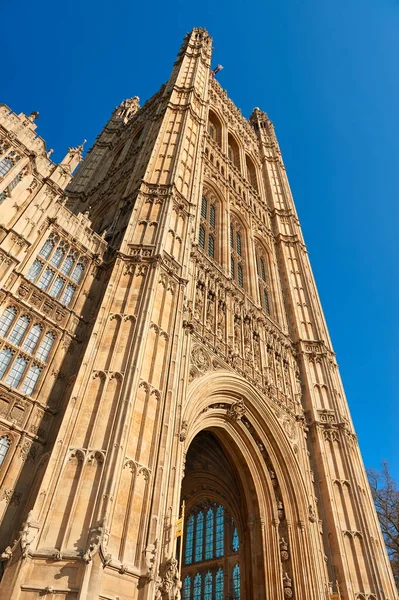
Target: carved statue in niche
257, 359
199, 302
221, 325
287, 380
237, 336
168, 588
247, 337
279, 375
210, 309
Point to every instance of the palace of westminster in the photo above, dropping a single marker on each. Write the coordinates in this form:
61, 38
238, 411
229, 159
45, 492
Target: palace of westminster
163, 348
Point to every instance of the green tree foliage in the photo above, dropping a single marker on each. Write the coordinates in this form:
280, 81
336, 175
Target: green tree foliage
386, 500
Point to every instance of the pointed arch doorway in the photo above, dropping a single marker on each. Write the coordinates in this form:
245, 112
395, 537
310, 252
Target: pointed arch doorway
217, 560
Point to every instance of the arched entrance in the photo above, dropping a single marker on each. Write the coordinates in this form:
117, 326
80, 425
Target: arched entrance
216, 558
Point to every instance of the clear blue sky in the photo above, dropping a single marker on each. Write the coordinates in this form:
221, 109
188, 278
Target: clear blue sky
327, 75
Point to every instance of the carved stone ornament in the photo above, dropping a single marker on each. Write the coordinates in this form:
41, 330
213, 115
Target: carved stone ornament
312, 514
170, 585
150, 559
183, 431
287, 583
237, 410
284, 550
200, 358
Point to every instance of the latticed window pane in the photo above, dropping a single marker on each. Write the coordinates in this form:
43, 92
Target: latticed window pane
212, 215
210, 517
235, 543
6, 165
188, 555
211, 246
68, 263
7, 318
57, 287
20, 327
240, 275
197, 587
68, 294
238, 244
34, 271
231, 236
186, 588
219, 584
78, 271
45, 347
3, 196
208, 586
232, 267
45, 279
220, 532
212, 131
47, 247
262, 269
201, 237
32, 339
31, 379
204, 207
266, 301
17, 370
199, 537
4, 146
236, 582
5, 359
14, 182
57, 256
4, 446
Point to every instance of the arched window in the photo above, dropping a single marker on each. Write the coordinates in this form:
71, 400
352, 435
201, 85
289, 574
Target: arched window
236, 252
8, 162
215, 128
45, 347
233, 151
4, 446
251, 173
31, 379
5, 359
236, 579
209, 533
32, 338
16, 371
262, 268
19, 329
207, 228
7, 319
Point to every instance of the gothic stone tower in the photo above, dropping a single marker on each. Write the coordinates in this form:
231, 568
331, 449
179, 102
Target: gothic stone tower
162, 340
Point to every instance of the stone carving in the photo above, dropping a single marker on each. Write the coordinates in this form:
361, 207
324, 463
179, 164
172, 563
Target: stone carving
312, 514
183, 431
287, 584
200, 358
150, 559
168, 588
284, 550
237, 410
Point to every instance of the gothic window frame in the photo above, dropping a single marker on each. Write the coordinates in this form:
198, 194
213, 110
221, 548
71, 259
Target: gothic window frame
26, 346
51, 275
263, 275
8, 162
237, 246
209, 227
215, 128
233, 151
6, 443
252, 176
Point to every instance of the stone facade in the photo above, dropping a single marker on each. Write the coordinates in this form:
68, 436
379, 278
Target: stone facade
162, 340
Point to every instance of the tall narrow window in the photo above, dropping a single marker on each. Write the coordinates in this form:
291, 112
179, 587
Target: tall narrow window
4, 446
188, 555
210, 517
7, 319
31, 379
32, 338
236, 582
207, 228
220, 531
7, 163
251, 173
197, 587
187, 588
235, 542
45, 347
16, 372
208, 586
5, 359
219, 584
199, 537
236, 253
215, 128
18, 331
262, 262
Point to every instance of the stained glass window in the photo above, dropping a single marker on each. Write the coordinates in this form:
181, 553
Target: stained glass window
219, 581
188, 555
7, 318
209, 534
236, 582
4, 446
19, 329
186, 588
220, 531
5, 359
208, 586
197, 587
235, 542
31, 379
16, 372
32, 339
199, 537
